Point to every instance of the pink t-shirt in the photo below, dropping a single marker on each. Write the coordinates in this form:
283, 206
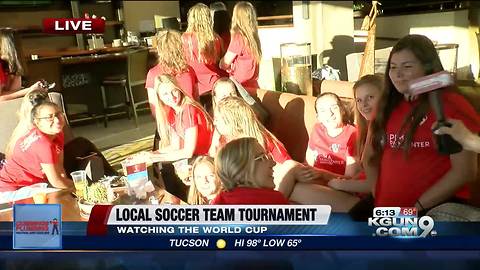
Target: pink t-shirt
207, 73
331, 153
244, 68
23, 167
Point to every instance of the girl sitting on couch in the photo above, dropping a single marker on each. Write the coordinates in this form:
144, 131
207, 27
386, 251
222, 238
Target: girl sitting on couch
38, 155
367, 92
333, 138
235, 119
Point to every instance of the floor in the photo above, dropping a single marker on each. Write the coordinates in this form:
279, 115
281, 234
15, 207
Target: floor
119, 131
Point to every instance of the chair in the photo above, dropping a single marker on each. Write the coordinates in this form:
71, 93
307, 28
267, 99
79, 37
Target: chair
136, 73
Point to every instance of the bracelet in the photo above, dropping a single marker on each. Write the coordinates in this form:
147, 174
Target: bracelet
419, 204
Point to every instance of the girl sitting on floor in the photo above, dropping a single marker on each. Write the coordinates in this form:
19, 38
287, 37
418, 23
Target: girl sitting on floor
246, 172
185, 130
38, 155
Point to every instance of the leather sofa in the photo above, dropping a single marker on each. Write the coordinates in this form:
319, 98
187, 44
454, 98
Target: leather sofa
292, 116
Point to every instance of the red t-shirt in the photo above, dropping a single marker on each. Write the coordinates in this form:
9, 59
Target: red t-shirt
186, 80
402, 180
23, 167
190, 117
3, 77
244, 68
207, 73
331, 153
276, 149
248, 195
273, 147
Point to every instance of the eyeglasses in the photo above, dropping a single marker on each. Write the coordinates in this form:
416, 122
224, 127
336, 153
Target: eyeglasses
263, 157
51, 117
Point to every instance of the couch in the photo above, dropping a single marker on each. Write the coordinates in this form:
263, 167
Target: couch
292, 117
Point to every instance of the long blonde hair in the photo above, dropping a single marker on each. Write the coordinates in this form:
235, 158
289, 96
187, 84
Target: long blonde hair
163, 127
194, 196
170, 52
244, 22
8, 51
235, 165
24, 115
200, 24
240, 120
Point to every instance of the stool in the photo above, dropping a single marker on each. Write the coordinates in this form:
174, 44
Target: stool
116, 100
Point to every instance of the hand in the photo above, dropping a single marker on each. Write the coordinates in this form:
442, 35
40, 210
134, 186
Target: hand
37, 86
336, 183
305, 174
458, 130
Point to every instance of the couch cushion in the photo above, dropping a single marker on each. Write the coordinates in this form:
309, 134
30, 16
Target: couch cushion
292, 117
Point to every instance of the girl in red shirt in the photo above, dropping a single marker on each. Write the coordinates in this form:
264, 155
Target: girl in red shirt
328, 146
403, 158
11, 68
38, 156
205, 185
246, 172
185, 130
202, 49
367, 92
244, 53
234, 118
171, 61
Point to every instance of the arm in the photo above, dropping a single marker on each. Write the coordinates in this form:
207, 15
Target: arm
190, 142
310, 156
56, 175
353, 167
464, 166
14, 91
227, 60
351, 185
212, 151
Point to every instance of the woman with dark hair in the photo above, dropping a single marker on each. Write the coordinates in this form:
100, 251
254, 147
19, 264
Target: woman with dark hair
221, 21
401, 155
11, 67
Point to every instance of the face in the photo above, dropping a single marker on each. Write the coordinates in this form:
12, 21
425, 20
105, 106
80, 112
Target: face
169, 95
263, 172
223, 90
49, 120
220, 124
367, 100
205, 179
404, 67
328, 112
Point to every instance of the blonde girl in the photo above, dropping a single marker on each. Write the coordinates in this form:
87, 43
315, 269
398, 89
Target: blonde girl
244, 52
203, 49
205, 185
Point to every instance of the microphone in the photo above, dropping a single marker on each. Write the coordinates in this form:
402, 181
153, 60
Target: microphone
432, 84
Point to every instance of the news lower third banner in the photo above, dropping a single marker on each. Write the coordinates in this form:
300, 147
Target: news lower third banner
239, 227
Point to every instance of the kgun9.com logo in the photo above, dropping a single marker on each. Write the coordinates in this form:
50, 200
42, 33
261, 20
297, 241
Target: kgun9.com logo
400, 222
